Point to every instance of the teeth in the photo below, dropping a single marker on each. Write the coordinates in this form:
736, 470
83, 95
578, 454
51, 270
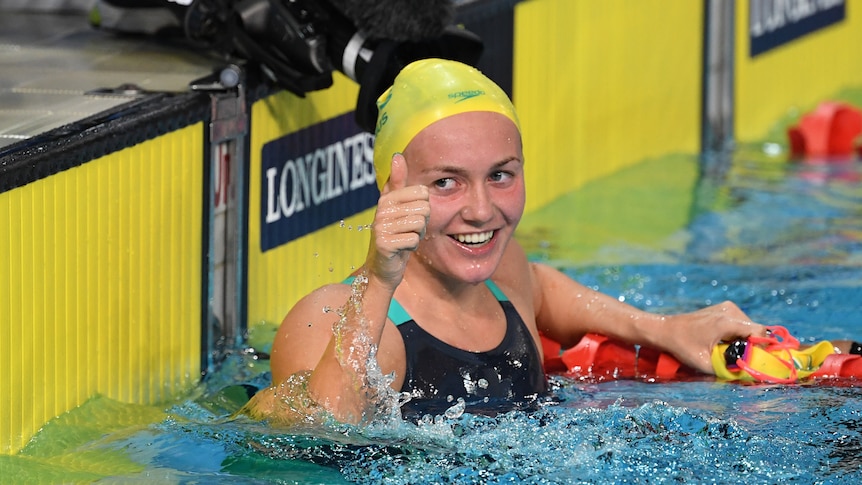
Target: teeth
474, 238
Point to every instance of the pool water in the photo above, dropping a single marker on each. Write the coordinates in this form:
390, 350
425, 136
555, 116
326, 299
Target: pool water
782, 240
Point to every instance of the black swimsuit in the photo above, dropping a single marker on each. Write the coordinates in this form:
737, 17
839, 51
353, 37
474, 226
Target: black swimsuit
507, 377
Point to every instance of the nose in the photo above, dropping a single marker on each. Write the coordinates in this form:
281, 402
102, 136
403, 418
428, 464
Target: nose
478, 207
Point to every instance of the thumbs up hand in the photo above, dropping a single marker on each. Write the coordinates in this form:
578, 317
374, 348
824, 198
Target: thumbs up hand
399, 224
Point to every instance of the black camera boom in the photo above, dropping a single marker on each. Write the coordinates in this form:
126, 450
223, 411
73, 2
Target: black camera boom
299, 43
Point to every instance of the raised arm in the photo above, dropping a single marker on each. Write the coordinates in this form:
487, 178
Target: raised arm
333, 331
566, 310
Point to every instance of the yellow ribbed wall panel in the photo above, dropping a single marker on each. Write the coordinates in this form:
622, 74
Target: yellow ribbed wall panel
100, 283
794, 76
603, 85
278, 278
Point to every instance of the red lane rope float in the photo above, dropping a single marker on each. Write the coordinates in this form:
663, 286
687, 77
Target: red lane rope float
776, 359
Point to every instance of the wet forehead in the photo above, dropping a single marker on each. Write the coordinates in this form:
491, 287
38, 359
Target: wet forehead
464, 142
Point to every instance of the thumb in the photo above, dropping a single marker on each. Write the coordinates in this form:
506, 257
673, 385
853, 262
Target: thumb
397, 174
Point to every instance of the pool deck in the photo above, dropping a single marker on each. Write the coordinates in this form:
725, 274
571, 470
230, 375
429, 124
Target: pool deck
56, 69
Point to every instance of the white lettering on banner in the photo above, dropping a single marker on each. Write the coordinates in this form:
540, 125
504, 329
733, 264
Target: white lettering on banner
362, 161
319, 176
770, 15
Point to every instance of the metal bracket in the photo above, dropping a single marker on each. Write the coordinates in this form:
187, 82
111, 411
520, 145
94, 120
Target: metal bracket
229, 117
224, 327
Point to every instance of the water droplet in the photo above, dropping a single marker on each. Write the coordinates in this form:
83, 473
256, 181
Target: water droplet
456, 410
772, 149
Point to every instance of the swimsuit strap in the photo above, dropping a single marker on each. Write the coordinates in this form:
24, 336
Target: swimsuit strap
396, 312
399, 315
498, 293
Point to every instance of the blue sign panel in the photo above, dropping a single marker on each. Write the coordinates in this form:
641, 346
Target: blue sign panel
772, 23
315, 177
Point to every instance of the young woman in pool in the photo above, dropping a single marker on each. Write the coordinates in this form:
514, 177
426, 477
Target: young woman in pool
447, 301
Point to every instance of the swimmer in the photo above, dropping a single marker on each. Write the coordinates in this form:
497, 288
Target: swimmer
447, 301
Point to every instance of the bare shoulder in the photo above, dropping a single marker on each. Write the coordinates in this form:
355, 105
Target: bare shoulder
530, 285
514, 276
306, 330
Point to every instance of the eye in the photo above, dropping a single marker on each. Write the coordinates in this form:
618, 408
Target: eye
500, 176
444, 183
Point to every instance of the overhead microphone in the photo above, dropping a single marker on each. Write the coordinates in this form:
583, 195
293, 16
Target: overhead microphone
399, 20
388, 35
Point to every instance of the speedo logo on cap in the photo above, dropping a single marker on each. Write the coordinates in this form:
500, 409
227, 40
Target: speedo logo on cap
462, 95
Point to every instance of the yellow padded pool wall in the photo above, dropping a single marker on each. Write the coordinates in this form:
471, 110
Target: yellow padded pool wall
100, 283
602, 85
792, 78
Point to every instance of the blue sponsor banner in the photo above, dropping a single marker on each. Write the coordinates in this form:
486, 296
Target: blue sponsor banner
772, 23
315, 177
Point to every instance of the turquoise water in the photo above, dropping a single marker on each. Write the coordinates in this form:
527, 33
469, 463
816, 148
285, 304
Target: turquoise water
783, 241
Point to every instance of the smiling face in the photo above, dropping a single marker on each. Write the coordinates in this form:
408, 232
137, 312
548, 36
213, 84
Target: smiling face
472, 164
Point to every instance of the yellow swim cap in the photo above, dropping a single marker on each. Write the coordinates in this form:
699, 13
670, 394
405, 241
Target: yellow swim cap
426, 91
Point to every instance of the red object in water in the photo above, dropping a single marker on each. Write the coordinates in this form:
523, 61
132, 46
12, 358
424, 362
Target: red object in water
828, 131
839, 365
599, 358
